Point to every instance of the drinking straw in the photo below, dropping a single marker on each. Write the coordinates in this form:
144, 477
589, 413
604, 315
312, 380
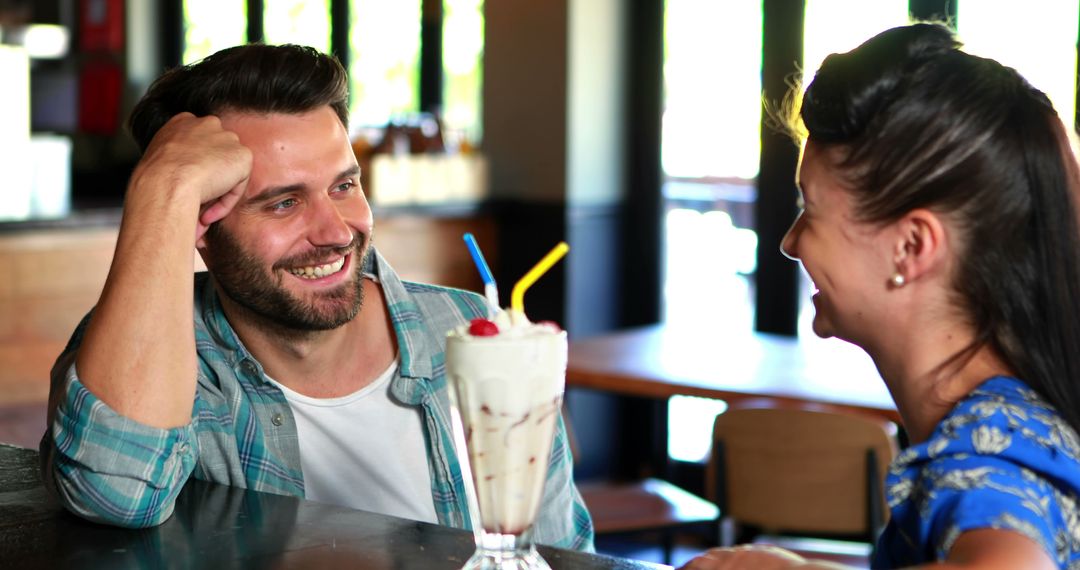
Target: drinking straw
490, 290
517, 295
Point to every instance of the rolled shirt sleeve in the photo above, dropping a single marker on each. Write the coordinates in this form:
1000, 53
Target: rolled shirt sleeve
108, 468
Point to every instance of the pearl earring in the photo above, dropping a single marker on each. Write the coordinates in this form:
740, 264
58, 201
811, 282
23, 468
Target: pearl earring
898, 279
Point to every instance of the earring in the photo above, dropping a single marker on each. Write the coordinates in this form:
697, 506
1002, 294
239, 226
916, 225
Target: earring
898, 280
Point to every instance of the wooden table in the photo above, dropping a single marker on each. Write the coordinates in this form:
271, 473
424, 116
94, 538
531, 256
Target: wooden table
216, 526
660, 361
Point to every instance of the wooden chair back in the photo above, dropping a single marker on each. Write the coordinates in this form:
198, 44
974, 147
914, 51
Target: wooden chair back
800, 468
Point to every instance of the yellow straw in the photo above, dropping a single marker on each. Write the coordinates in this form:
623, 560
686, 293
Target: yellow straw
517, 295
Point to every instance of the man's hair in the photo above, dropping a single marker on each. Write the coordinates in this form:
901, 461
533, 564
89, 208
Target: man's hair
254, 78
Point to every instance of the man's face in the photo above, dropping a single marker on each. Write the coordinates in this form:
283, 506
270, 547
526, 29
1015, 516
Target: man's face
289, 255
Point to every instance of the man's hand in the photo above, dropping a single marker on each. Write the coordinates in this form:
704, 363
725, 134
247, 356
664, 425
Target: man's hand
196, 155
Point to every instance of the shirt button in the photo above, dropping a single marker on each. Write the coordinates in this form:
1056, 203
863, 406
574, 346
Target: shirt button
278, 419
184, 448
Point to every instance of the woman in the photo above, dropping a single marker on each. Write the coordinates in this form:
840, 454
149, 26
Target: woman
939, 225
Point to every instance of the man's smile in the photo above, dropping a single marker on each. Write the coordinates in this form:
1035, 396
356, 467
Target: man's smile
319, 271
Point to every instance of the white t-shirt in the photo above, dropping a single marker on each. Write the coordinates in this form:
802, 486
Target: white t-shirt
364, 451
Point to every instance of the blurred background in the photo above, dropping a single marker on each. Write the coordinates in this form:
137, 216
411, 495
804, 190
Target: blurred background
632, 129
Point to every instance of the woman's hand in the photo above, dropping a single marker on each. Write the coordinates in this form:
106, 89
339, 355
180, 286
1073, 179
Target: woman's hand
748, 556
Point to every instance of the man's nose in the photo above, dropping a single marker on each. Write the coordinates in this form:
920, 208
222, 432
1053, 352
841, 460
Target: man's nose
327, 227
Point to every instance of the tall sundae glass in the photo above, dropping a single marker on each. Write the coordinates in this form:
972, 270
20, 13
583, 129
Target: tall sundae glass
507, 376
507, 390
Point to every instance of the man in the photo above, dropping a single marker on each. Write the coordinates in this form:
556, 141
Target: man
312, 369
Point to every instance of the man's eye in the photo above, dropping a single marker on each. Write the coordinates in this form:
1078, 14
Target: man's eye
345, 186
284, 204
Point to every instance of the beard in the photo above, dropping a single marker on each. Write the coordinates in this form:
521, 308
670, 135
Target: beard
261, 294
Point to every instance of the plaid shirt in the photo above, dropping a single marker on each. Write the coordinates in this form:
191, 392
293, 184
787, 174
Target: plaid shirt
108, 468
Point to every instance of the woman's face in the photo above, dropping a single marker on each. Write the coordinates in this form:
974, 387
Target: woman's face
849, 261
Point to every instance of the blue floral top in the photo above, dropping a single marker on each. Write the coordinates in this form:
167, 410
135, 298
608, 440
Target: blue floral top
1003, 458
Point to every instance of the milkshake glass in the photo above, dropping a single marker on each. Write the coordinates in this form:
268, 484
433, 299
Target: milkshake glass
506, 395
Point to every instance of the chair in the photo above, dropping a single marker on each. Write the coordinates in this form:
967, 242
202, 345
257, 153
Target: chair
647, 505
803, 470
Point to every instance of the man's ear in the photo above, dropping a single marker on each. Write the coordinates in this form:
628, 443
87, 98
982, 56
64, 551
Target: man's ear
202, 247
921, 246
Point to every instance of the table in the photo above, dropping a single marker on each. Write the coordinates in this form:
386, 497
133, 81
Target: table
660, 361
217, 526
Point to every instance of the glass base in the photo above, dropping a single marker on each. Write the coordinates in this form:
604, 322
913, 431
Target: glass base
496, 551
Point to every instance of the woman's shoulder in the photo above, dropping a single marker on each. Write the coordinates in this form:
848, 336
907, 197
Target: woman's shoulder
1003, 458
1004, 425
1005, 414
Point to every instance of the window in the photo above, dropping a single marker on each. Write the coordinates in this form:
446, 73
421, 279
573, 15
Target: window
303, 22
384, 67
384, 56
463, 53
1042, 48
837, 26
710, 153
212, 25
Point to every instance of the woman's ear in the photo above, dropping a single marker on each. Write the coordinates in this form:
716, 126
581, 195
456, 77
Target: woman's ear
921, 247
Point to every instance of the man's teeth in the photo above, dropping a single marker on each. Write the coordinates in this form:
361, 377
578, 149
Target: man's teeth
317, 271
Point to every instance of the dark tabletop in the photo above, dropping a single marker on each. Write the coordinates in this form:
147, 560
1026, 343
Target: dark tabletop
217, 526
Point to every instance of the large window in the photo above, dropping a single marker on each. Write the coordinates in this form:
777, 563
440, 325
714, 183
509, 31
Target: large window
384, 67
384, 52
837, 26
212, 25
463, 57
1039, 41
710, 155
304, 22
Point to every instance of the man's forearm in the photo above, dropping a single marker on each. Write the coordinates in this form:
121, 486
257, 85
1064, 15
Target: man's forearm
138, 355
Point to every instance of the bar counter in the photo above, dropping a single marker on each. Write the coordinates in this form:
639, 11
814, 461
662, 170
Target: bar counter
217, 526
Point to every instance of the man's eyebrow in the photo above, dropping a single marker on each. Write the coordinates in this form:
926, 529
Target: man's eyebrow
353, 170
275, 191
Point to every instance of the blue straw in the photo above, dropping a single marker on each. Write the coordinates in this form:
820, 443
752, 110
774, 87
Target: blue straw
491, 292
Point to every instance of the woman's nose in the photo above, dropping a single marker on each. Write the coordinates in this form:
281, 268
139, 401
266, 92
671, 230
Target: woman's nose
789, 245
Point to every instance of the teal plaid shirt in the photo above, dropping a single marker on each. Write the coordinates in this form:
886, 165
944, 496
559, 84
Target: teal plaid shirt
108, 468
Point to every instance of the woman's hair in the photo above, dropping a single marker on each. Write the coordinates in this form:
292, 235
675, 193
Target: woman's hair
255, 78
921, 124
